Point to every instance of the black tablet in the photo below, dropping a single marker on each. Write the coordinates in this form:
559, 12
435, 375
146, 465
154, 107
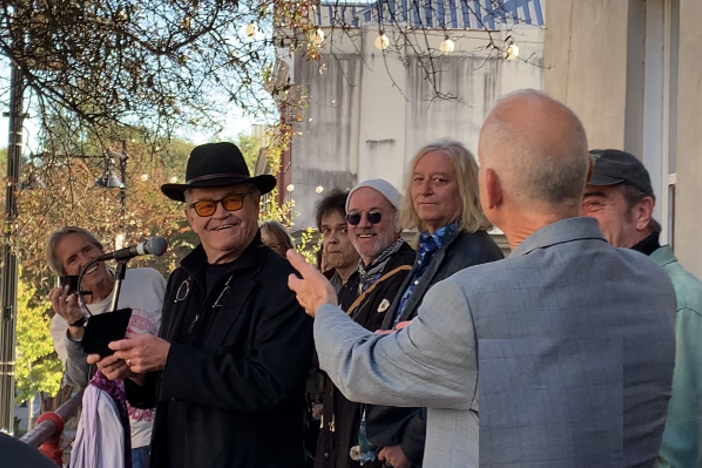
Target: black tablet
103, 329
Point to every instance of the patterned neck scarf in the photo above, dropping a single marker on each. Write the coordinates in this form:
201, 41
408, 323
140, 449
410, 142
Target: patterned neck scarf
429, 244
372, 273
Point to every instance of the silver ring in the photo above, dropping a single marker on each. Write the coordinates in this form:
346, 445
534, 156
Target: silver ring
129, 362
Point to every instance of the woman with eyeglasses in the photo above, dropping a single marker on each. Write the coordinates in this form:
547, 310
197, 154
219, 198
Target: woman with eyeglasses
276, 237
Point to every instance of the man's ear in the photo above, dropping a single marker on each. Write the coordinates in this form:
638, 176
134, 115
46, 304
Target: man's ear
590, 167
493, 188
187, 216
643, 212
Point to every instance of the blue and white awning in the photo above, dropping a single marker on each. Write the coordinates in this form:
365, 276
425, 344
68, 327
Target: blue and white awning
433, 14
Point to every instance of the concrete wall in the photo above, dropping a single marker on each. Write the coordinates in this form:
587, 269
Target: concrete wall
371, 111
585, 52
689, 140
606, 61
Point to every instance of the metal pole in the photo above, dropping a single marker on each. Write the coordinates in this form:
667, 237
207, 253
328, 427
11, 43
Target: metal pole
8, 313
123, 188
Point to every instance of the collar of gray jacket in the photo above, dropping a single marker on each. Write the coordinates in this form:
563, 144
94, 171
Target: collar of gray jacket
559, 232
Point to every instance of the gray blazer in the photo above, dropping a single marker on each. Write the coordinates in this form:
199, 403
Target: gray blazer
461, 250
576, 343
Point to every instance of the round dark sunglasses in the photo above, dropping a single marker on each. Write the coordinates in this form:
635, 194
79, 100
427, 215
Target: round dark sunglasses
373, 217
232, 202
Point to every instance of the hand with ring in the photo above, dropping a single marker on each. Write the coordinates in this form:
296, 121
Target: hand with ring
112, 367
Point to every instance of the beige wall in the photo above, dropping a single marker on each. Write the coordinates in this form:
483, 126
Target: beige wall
369, 112
596, 52
585, 51
688, 229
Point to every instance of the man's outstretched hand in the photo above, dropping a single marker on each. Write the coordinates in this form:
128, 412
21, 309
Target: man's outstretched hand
313, 290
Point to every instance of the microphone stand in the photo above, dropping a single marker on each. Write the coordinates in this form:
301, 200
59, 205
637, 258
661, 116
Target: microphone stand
120, 272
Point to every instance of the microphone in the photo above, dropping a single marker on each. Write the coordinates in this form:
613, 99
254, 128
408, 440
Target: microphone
154, 246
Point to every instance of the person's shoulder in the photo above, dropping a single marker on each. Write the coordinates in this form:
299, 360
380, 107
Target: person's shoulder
486, 274
688, 288
273, 265
474, 248
144, 271
405, 256
640, 262
143, 274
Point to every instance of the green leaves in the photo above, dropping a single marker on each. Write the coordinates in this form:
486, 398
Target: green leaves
37, 368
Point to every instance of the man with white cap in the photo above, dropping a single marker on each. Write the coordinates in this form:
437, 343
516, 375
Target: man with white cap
374, 229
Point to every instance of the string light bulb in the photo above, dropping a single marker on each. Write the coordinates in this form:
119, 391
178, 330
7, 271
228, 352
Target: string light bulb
512, 51
317, 37
319, 189
290, 187
251, 30
381, 42
447, 46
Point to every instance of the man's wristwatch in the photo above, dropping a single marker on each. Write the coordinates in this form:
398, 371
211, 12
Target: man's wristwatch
78, 323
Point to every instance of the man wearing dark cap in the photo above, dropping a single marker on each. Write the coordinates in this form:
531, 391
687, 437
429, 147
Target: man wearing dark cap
227, 372
619, 195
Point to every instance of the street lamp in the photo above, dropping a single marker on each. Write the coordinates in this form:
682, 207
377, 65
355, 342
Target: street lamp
110, 180
10, 270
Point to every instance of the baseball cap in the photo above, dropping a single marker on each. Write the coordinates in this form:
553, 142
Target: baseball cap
612, 167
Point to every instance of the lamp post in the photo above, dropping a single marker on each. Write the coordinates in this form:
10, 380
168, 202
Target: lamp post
123, 188
8, 313
110, 180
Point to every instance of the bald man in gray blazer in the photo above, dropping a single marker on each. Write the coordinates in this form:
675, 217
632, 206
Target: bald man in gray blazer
572, 338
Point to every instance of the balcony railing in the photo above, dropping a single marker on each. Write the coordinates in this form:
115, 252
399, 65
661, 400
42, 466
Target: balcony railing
46, 435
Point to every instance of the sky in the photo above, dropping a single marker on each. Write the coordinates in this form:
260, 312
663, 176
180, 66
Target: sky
235, 122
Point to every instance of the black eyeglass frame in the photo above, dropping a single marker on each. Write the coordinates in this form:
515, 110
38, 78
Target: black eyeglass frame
373, 217
242, 195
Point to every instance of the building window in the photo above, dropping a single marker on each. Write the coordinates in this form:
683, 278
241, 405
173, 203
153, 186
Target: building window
660, 108
670, 59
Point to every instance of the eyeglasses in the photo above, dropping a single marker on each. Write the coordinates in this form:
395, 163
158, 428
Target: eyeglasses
373, 217
232, 202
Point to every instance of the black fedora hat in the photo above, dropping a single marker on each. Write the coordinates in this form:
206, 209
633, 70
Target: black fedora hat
216, 165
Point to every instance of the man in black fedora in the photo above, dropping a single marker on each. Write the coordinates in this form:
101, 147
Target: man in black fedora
227, 372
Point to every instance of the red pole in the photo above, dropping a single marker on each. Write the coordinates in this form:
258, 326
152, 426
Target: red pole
51, 448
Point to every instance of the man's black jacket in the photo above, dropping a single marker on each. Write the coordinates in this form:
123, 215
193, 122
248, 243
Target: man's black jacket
241, 397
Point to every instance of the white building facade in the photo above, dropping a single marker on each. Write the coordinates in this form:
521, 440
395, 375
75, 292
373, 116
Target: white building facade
367, 110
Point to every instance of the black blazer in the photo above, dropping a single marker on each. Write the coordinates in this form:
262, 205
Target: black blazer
245, 390
406, 427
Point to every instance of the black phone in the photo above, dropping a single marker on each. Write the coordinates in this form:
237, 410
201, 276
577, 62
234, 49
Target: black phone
103, 329
72, 282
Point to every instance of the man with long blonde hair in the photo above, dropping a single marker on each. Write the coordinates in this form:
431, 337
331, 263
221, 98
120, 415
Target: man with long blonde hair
441, 201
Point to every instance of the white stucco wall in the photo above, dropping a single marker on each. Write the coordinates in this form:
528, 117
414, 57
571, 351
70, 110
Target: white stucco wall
370, 111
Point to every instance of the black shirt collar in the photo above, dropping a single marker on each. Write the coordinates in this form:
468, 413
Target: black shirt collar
648, 245
195, 263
